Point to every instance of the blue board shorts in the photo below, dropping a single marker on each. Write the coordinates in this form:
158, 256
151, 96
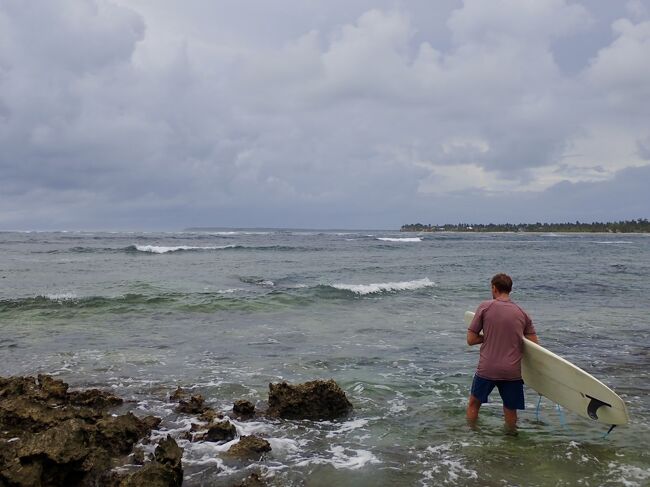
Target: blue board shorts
511, 391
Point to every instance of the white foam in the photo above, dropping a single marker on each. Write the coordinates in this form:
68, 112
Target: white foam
444, 461
354, 461
158, 249
398, 404
385, 286
628, 475
61, 296
347, 427
342, 458
404, 239
230, 291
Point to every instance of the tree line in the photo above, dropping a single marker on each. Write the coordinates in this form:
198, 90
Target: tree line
640, 225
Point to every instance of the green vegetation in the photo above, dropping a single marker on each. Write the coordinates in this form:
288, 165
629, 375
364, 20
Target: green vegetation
627, 226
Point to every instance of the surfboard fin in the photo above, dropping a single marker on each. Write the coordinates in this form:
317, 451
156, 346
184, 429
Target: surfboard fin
594, 405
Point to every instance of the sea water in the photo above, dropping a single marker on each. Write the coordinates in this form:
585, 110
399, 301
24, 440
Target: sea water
223, 313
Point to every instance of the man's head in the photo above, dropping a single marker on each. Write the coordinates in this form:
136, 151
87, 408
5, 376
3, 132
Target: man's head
501, 284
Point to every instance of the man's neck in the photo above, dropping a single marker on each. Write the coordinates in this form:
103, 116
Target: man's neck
502, 297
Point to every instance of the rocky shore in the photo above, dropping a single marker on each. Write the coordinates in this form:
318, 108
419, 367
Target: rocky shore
50, 436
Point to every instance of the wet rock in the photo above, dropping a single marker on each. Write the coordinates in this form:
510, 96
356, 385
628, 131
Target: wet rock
60, 437
169, 453
21, 475
178, 394
19, 414
253, 480
94, 398
62, 444
209, 415
153, 474
186, 435
165, 471
243, 408
221, 431
315, 400
52, 387
196, 405
119, 434
250, 447
139, 456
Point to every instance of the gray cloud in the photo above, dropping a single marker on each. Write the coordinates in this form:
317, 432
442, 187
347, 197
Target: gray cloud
142, 114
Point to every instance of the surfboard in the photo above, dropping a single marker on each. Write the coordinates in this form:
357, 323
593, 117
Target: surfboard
568, 385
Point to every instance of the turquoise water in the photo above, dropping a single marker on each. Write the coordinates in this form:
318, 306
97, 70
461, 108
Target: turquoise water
225, 313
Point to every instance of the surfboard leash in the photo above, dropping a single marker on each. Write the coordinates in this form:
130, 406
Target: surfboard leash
609, 431
539, 402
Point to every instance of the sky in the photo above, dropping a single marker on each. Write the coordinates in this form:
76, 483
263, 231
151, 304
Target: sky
162, 115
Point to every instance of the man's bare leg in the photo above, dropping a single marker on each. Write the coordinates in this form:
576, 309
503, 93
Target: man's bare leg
473, 409
510, 416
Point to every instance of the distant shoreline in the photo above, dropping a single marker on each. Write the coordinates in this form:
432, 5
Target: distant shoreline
642, 225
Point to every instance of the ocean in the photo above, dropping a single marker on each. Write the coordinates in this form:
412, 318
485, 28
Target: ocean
223, 313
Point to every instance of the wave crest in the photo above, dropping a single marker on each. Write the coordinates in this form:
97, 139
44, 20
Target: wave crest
159, 249
400, 239
385, 287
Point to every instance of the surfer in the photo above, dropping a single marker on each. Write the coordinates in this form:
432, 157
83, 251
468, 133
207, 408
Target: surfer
504, 324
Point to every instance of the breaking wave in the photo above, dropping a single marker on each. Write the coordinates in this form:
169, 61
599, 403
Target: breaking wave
403, 239
159, 249
385, 287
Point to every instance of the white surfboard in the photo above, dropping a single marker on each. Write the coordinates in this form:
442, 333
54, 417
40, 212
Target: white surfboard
567, 385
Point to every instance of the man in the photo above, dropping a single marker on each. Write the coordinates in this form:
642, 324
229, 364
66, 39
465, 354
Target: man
504, 324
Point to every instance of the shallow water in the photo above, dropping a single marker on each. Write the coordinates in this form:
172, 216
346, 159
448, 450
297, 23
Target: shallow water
225, 313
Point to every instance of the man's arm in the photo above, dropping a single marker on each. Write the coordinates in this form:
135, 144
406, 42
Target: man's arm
474, 338
533, 338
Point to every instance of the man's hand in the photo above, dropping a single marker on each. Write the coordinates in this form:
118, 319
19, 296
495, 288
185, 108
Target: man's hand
533, 338
474, 338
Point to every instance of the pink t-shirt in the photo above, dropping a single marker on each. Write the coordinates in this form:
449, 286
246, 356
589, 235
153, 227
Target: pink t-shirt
504, 325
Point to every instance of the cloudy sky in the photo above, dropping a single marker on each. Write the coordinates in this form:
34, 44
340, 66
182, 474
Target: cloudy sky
160, 114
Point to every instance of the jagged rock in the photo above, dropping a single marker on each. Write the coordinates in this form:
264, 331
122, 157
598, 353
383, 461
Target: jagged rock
178, 394
119, 434
19, 414
186, 435
243, 408
165, 471
221, 431
209, 415
62, 444
138, 456
169, 453
315, 400
153, 474
17, 474
94, 398
52, 387
63, 438
196, 405
250, 447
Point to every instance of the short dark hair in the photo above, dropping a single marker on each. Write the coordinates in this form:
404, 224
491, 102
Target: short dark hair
503, 283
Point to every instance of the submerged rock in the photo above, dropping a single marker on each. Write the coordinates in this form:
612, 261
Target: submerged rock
253, 480
315, 400
250, 447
